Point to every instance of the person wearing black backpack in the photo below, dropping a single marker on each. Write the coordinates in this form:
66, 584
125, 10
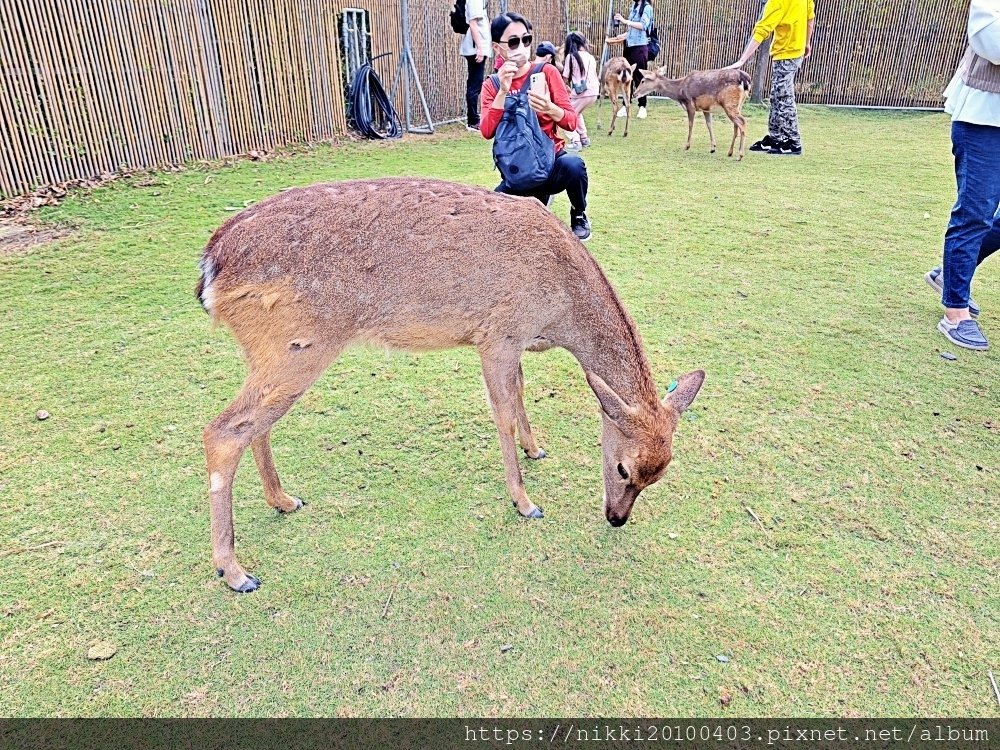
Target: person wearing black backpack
469, 17
523, 122
637, 38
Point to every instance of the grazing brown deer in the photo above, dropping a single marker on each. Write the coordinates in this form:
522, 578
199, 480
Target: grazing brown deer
700, 91
421, 264
616, 80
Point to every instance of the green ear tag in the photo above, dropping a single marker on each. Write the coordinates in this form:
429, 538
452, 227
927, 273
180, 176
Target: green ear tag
672, 387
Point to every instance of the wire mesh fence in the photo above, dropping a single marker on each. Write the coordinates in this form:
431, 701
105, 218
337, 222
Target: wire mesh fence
89, 87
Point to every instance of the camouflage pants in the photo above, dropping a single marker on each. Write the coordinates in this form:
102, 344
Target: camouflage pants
783, 122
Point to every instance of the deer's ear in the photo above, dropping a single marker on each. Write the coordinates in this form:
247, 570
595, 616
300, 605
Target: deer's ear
611, 402
688, 386
633, 66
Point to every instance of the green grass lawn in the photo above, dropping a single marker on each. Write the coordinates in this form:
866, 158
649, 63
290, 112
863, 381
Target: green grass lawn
871, 587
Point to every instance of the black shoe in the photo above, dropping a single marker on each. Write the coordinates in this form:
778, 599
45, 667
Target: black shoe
764, 144
785, 148
580, 226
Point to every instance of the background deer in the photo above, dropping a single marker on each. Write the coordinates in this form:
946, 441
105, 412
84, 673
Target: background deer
421, 264
616, 80
699, 91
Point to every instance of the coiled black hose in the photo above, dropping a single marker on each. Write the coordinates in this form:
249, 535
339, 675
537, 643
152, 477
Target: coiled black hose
371, 111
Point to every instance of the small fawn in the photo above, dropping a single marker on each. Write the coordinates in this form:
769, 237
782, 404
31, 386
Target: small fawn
616, 80
700, 91
420, 264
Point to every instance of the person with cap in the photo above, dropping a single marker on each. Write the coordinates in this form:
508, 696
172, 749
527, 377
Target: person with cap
545, 52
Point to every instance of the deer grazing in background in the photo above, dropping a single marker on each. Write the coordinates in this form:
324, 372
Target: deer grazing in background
419, 264
700, 91
616, 80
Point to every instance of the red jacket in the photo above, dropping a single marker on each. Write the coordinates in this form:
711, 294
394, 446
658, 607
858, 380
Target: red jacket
489, 118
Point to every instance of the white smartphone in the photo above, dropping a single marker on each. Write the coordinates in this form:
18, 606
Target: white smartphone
537, 83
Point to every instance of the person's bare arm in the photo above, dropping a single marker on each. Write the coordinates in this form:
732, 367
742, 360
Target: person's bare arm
477, 39
751, 47
765, 26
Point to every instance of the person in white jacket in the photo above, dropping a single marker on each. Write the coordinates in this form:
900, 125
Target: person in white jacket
973, 101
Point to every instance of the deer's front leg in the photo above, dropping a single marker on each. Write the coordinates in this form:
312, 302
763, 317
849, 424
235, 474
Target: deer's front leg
500, 375
711, 133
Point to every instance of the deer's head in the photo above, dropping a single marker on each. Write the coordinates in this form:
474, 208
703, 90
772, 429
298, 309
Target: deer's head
654, 82
638, 441
626, 73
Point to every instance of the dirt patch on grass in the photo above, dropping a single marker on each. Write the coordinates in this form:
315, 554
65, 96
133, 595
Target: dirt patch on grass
17, 238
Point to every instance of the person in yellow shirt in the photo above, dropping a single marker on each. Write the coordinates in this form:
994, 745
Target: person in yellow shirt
791, 22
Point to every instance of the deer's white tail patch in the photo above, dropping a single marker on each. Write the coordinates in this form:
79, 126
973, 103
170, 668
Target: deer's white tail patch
208, 272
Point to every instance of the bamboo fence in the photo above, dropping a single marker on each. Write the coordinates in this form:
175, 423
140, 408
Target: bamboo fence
93, 87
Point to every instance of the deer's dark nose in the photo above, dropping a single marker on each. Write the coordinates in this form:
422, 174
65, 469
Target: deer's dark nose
617, 521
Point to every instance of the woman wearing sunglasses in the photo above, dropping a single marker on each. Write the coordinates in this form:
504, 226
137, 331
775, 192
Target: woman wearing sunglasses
511, 35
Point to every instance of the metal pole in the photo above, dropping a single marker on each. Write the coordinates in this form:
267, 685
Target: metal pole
407, 60
607, 33
404, 61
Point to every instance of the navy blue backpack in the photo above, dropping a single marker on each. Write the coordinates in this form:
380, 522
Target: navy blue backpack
521, 150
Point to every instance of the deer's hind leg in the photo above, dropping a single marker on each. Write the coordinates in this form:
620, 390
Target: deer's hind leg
627, 96
267, 395
524, 432
739, 128
500, 373
275, 496
614, 110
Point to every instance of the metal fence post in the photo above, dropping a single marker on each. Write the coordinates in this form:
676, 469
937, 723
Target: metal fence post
407, 69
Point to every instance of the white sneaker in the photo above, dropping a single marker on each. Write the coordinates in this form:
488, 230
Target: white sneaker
622, 112
642, 113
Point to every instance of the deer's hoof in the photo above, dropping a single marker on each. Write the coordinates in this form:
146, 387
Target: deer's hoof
536, 512
252, 583
299, 504
538, 456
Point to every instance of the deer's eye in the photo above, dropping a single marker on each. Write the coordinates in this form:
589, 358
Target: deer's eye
623, 471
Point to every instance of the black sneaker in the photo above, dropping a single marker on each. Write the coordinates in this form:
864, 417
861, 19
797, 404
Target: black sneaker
763, 144
785, 148
580, 226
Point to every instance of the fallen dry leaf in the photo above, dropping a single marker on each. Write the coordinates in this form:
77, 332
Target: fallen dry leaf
102, 650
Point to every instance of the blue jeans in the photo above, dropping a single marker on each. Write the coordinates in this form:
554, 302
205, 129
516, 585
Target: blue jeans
974, 229
569, 173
